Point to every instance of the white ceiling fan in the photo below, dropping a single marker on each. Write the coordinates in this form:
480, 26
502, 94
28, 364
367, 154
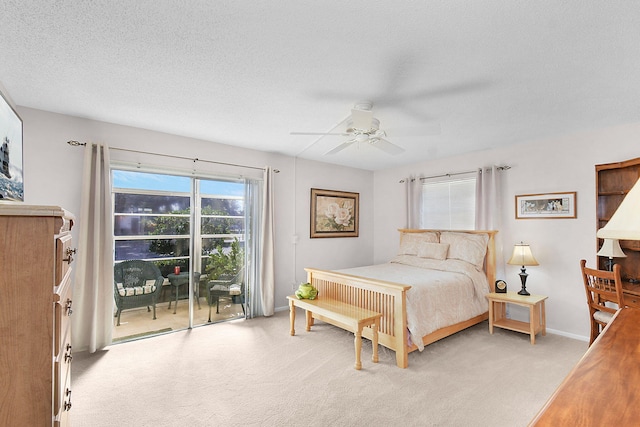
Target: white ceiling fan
362, 127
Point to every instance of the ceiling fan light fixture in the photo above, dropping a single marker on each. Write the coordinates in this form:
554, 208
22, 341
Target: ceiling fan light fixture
349, 126
362, 128
375, 125
363, 105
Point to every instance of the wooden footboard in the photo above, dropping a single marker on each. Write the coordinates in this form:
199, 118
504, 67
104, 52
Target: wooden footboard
387, 298
380, 296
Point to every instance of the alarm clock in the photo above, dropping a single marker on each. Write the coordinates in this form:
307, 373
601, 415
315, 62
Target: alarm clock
501, 286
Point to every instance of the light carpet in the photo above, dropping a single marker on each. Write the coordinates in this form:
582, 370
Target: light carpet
253, 373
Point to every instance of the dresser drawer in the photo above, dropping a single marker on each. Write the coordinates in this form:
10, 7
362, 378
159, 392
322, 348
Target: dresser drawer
62, 385
62, 300
64, 256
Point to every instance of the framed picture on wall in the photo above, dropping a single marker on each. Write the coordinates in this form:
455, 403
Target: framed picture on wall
11, 179
334, 213
546, 206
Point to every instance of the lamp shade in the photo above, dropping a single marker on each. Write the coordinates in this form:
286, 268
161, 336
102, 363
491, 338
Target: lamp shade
611, 248
522, 255
625, 222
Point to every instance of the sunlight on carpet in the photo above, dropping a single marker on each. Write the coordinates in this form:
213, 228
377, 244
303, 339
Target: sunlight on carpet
253, 373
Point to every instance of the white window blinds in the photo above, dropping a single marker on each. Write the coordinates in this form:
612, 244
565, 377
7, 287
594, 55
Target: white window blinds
449, 204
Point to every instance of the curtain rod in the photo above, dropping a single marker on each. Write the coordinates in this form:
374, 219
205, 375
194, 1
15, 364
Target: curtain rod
195, 159
500, 168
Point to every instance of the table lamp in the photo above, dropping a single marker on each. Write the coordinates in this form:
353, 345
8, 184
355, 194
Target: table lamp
611, 249
625, 222
522, 256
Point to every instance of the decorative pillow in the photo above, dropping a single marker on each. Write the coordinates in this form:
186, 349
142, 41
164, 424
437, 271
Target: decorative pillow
433, 250
466, 247
148, 288
410, 242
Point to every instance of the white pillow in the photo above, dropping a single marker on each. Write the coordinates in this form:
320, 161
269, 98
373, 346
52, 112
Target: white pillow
148, 288
466, 246
433, 250
410, 242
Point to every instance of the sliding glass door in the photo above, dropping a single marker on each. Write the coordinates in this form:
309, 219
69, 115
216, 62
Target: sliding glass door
222, 238
193, 231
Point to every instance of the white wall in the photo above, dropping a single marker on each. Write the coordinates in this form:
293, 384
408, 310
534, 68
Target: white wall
293, 213
53, 172
560, 164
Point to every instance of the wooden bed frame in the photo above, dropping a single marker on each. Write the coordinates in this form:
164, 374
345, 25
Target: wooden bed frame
389, 299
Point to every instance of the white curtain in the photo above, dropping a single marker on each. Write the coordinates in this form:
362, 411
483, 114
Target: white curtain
267, 275
413, 188
93, 291
489, 208
487, 199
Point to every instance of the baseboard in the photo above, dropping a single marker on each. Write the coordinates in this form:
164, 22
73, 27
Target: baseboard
286, 307
568, 335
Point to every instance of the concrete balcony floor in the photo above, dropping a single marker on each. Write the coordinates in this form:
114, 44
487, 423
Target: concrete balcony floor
138, 322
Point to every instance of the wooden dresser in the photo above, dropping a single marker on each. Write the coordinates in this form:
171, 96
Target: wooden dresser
35, 305
602, 389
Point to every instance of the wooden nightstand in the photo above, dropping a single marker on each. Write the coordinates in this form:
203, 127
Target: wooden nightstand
498, 308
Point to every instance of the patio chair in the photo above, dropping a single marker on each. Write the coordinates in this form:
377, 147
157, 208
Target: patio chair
136, 284
226, 287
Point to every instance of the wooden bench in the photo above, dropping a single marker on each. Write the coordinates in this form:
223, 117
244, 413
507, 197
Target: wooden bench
338, 313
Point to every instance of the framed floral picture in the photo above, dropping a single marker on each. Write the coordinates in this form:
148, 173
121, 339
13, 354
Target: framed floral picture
334, 213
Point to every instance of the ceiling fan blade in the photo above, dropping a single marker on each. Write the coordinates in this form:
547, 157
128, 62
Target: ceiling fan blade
386, 146
361, 119
318, 133
340, 147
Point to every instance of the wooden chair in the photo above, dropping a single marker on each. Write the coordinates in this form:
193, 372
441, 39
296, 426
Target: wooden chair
601, 287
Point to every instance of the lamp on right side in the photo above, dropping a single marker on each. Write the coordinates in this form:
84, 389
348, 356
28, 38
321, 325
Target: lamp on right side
522, 256
625, 222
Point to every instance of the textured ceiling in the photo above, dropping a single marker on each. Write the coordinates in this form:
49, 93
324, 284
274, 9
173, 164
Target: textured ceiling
445, 77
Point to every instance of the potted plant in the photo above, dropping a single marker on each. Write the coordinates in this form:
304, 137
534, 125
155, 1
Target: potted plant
225, 263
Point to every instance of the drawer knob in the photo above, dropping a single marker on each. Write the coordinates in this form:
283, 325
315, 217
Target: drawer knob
70, 254
67, 307
67, 404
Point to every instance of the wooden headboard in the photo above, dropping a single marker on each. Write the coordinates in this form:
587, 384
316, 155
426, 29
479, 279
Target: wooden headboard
489, 258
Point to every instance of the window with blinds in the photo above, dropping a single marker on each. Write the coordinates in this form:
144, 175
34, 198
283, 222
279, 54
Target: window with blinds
449, 204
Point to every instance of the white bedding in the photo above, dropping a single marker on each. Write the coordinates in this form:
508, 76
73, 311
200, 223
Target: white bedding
443, 292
